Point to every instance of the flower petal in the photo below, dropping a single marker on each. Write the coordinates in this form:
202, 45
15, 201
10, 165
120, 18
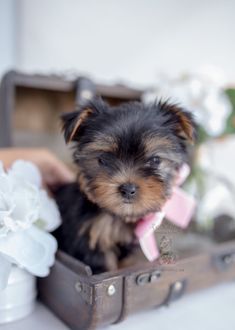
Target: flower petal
5, 184
3, 231
5, 269
1, 168
32, 249
27, 172
49, 212
27, 202
6, 202
201, 94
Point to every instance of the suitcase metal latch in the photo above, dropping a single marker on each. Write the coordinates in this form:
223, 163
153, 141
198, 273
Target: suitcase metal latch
151, 277
176, 291
224, 261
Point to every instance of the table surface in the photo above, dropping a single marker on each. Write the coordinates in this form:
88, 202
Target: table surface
211, 309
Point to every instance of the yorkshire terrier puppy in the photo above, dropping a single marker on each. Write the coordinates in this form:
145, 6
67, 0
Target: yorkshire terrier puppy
127, 157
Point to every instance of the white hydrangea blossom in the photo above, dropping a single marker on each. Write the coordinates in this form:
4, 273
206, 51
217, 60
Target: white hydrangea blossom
23, 203
201, 93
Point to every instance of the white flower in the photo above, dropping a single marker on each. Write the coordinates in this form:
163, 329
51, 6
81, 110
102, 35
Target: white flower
23, 171
32, 249
217, 200
23, 203
200, 93
19, 205
48, 212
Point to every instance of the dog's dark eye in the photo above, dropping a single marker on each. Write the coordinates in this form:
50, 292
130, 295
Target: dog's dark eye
153, 161
103, 160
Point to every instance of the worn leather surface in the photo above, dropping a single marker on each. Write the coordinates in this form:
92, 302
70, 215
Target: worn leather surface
136, 288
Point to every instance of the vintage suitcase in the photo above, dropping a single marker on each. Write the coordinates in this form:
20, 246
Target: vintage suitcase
28, 104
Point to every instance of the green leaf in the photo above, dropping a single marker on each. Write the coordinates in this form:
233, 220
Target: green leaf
230, 129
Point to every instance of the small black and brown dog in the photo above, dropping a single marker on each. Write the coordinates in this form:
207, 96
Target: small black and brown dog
127, 157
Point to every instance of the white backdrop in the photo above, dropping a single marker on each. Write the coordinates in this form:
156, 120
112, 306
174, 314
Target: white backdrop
124, 39
7, 35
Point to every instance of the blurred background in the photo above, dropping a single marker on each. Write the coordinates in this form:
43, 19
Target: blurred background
181, 49
125, 40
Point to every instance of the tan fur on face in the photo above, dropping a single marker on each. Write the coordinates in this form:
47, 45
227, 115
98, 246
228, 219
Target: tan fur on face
102, 144
103, 190
161, 147
151, 195
156, 144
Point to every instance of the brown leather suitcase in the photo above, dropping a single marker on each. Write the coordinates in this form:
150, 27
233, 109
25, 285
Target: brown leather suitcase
80, 299
86, 301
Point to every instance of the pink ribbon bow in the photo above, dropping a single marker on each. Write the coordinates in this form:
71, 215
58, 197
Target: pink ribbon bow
178, 209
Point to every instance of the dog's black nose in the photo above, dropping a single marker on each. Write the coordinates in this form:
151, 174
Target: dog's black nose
128, 190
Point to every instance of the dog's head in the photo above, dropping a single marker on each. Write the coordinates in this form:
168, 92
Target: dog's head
128, 155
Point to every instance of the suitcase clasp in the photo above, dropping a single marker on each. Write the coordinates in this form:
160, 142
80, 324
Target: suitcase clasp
176, 291
225, 260
151, 277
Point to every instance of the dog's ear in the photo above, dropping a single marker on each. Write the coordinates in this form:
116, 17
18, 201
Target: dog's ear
180, 120
73, 121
